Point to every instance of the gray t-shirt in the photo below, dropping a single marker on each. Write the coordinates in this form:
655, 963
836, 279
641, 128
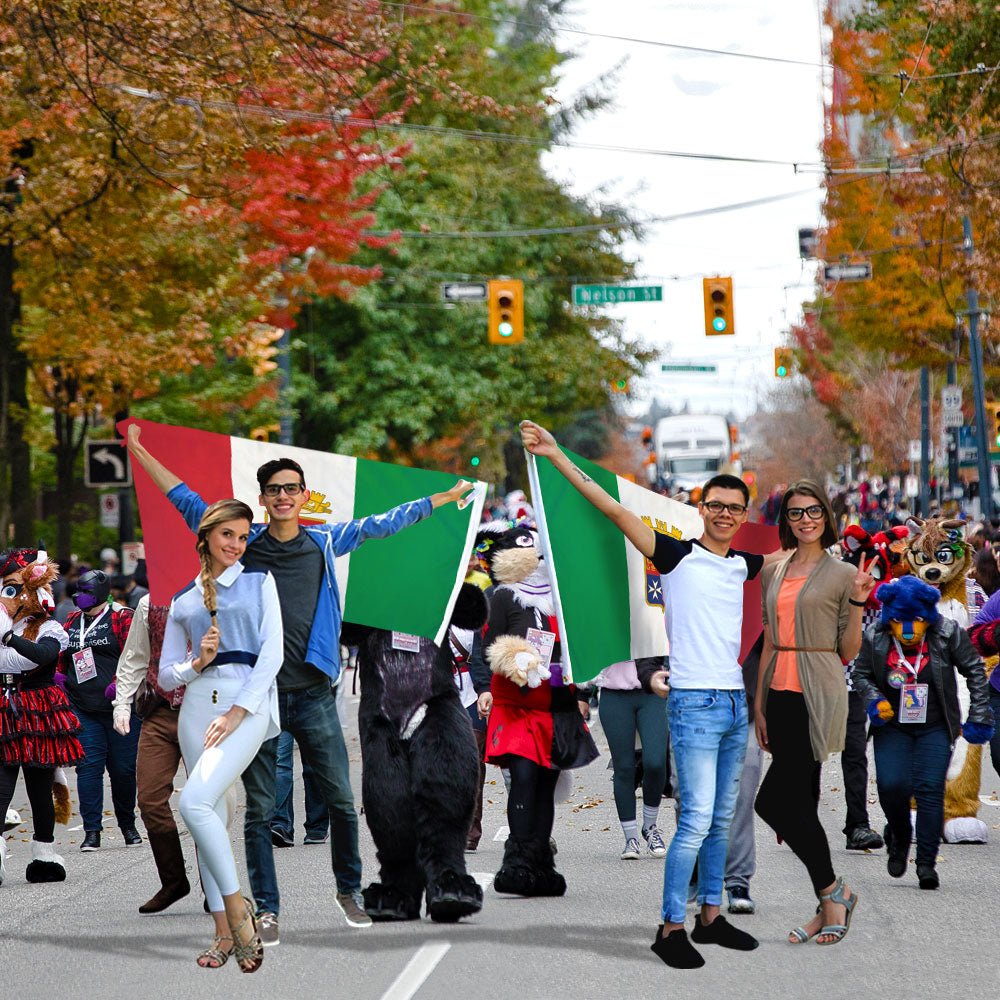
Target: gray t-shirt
297, 568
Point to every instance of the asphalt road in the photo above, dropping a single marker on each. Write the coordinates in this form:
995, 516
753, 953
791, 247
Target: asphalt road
85, 937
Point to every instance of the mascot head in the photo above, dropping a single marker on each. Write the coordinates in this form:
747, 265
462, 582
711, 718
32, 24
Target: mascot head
508, 552
882, 553
938, 554
26, 592
92, 589
909, 608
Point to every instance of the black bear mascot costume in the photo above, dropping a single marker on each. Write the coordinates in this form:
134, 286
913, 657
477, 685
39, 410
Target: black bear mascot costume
420, 769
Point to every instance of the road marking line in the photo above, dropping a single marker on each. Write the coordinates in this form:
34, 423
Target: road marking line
502, 834
484, 879
989, 800
416, 971
73, 829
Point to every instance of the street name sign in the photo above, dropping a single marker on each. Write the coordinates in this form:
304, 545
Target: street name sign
688, 368
463, 291
848, 272
599, 295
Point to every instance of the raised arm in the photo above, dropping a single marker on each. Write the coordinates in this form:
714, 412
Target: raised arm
540, 443
165, 480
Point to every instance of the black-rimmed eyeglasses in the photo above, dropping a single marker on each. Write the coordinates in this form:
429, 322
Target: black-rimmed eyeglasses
292, 489
814, 512
717, 507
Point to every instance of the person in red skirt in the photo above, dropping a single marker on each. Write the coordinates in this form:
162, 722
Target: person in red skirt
536, 727
37, 727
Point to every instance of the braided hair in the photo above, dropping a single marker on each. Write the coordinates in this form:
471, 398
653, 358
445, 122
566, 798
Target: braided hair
216, 514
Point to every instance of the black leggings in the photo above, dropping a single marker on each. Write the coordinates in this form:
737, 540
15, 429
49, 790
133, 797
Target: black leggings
531, 809
38, 782
788, 800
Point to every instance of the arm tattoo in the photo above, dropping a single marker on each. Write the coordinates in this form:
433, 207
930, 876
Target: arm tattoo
583, 475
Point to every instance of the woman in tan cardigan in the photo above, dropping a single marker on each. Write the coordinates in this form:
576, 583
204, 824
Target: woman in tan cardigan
812, 605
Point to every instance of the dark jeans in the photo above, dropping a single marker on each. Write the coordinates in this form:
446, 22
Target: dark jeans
788, 800
623, 714
995, 742
311, 717
317, 815
913, 765
854, 762
106, 749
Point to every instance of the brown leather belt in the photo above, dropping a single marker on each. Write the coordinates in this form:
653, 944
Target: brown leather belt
802, 649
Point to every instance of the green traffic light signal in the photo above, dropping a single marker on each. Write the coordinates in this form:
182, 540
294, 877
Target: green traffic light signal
505, 329
719, 324
781, 371
474, 461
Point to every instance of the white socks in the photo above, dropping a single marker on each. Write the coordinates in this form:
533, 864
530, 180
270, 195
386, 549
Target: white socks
649, 815
630, 829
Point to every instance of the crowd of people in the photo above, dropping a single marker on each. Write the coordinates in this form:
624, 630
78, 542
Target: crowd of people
247, 661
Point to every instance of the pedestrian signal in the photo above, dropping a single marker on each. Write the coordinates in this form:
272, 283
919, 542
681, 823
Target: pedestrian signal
718, 295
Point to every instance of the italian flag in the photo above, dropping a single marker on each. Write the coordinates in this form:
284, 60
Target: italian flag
608, 596
407, 583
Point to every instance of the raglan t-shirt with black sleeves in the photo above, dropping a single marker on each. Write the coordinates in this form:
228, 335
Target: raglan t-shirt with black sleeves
297, 568
703, 598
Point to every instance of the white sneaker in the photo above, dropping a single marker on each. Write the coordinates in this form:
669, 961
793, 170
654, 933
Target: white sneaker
632, 850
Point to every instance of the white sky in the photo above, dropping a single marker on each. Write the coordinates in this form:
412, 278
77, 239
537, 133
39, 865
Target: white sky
666, 99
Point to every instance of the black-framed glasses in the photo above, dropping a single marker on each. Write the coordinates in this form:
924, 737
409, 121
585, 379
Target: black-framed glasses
814, 512
292, 489
717, 507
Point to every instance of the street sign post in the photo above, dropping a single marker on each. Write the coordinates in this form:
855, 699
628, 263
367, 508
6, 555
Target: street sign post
463, 291
688, 368
599, 295
106, 464
951, 406
848, 272
110, 510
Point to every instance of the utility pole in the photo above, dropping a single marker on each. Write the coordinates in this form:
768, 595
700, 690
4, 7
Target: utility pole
978, 381
925, 440
953, 482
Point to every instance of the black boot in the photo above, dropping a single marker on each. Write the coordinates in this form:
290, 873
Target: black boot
452, 896
517, 874
548, 882
169, 858
897, 852
388, 902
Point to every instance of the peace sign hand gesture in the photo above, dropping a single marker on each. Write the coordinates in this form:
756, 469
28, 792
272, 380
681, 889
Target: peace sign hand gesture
864, 582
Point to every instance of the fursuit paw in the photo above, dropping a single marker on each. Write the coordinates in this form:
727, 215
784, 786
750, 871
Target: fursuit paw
879, 711
516, 659
386, 902
977, 732
453, 896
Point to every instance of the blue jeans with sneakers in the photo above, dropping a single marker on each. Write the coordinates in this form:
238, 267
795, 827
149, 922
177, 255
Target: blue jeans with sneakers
317, 824
708, 735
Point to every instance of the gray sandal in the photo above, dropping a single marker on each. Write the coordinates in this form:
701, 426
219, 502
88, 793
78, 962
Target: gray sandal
838, 931
801, 935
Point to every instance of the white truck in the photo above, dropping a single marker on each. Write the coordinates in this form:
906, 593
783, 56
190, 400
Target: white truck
692, 448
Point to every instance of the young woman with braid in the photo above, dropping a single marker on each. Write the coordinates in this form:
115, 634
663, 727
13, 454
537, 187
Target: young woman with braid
224, 642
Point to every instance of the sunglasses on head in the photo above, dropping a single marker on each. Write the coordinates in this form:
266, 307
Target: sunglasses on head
292, 489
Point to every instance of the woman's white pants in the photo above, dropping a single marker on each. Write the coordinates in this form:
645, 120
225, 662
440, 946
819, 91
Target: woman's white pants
203, 801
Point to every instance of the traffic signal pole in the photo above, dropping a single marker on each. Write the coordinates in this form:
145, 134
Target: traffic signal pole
978, 382
925, 441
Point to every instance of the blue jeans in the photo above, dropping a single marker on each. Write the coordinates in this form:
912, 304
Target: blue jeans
106, 750
317, 815
708, 734
311, 718
913, 764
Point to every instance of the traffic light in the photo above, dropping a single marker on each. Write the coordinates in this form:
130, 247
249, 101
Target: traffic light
807, 244
782, 362
718, 293
992, 424
506, 308
620, 385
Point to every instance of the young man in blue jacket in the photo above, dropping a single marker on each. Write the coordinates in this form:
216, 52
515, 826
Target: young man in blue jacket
301, 559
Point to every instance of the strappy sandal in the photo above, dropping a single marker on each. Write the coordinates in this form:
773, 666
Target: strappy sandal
214, 957
252, 951
801, 935
838, 931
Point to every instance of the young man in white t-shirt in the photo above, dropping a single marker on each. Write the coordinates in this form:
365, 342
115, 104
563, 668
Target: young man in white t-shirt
707, 709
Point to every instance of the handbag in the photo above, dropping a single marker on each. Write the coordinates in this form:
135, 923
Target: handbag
146, 699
